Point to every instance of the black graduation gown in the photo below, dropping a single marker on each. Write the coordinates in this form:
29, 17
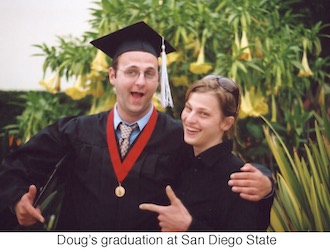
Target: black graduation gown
90, 202
205, 192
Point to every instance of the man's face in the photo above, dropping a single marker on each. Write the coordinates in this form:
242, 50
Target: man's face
135, 82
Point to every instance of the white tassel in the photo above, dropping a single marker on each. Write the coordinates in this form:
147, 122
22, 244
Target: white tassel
166, 97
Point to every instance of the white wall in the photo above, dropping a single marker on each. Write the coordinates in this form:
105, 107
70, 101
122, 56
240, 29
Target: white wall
27, 22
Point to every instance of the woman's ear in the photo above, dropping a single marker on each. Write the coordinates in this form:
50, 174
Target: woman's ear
227, 123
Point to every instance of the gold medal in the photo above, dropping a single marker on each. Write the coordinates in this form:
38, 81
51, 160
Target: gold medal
120, 191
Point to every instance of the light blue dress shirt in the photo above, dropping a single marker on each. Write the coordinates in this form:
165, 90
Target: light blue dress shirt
141, 122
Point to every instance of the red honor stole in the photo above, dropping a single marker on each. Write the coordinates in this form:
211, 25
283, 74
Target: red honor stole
122, 168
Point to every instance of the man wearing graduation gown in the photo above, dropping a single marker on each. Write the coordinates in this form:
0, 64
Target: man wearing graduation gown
102, 189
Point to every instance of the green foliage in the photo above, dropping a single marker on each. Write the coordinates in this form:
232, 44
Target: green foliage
10, 106
302, 200
72, 56
210, 33
40, 109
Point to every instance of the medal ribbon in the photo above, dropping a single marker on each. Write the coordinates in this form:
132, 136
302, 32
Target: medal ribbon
122, 168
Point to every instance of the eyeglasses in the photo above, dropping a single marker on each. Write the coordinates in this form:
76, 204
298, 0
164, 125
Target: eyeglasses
227, 84
134, 74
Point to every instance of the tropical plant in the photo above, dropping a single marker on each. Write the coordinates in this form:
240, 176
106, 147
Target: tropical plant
302, 201
260, 44
40, 110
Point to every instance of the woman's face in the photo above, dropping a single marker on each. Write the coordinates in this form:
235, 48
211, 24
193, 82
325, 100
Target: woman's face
203, 121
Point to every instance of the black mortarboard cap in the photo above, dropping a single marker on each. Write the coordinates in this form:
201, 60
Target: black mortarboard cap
136, 37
